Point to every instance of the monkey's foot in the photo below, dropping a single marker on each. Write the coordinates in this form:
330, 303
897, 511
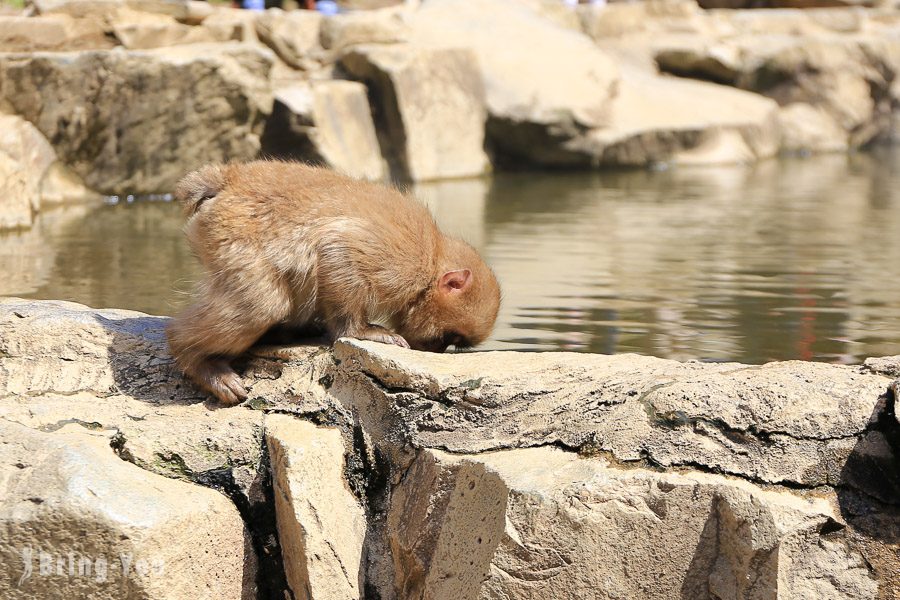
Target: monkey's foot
376, 333
217, 377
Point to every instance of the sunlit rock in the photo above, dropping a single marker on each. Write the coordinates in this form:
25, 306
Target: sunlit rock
425, 138
807, 129
665, 120
30, 171
106, 9
137, 30
544, 85
76, 516
51, 32
327, 122
541, 522
756, 444
321, 525
482, 475
384, 26
293, 35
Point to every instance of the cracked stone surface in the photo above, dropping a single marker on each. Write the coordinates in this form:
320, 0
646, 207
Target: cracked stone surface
321, 524
397, 474
803, 447
127, 532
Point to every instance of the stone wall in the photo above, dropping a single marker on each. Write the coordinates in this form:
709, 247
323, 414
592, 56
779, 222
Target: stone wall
378, 472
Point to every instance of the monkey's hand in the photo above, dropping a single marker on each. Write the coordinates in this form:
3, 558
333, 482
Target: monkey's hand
376, 333
217, 377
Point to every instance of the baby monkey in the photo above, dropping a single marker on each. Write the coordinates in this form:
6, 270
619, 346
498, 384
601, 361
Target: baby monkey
306, 248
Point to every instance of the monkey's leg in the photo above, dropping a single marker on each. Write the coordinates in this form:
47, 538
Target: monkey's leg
205, 336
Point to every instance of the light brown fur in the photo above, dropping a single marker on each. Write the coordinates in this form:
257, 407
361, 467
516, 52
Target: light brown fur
299, 246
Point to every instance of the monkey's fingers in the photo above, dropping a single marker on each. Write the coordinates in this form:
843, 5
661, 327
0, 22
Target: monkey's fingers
385, 336
230, 390
217, 377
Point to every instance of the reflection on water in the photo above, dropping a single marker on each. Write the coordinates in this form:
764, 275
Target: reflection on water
787, 259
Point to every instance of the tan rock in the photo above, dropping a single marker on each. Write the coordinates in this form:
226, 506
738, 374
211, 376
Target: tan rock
668, 120
496, 400
232, 25
544, 85
533, 523
431, 103
845, 76
61, 185
52, 32
293, 35
888, 366
321, 525
445, 522
218, 93
136, 30
383, 26
76, 516
30, 168
807, 129
197, 11
327, 122
107, 9
626, 18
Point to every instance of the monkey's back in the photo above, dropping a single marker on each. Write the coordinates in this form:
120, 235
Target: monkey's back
298, 219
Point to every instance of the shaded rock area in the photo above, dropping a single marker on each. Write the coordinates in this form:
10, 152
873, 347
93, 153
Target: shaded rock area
453, 88
374, 471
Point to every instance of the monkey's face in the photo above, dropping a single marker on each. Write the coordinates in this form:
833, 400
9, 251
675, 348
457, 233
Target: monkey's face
458, 311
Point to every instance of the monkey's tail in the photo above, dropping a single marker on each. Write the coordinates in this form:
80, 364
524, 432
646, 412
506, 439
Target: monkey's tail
199, 186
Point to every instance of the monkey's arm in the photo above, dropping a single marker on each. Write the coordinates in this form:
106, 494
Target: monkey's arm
347, 294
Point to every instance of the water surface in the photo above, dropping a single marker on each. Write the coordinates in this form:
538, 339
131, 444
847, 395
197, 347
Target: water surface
787, 259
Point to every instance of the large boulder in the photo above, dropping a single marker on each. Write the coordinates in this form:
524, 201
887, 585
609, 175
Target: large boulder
667, 120
31, 174
64, 368
187, 106
848, 76
384, 26
25, 156
106, 9
542, 522
293, 35
569, 458
430, 104
325, 122
77, 517
545, 85
137, 30
52, 32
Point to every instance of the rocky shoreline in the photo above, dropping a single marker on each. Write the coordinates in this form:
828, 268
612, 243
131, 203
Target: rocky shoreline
451, 88
375, 471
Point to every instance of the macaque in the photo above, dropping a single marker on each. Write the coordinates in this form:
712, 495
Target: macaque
300, 247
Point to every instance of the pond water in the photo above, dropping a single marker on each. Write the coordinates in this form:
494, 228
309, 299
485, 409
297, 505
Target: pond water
787, 259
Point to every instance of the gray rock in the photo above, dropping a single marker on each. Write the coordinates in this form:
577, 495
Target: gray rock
188, 105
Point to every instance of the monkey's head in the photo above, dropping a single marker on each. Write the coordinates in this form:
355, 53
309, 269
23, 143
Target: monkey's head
459, 308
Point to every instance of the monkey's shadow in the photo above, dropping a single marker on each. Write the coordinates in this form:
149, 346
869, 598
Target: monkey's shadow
144, 369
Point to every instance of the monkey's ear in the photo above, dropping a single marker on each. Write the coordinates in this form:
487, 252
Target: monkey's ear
453, 282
